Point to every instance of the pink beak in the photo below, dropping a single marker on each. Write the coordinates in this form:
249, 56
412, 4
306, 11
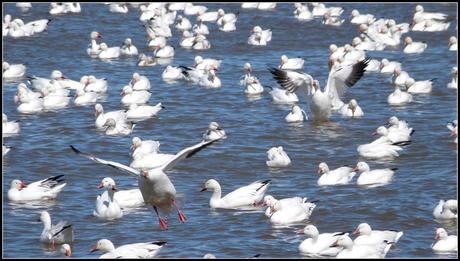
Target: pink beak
356, 232
300, 231
23, 185
355, 169
100, 186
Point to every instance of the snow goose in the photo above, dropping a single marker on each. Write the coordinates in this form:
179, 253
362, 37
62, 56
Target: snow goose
368, 236
128, 48
296, 115
163, 51
373, 66
445, 242
12, 71
378, 150
270, 201
66, 250
183, 23
24, 6
421, 15
136, 250
28, 105
358, 18
353, 55
453, 43
96, 85
156, 188
154, 40
413, 86
328, 19
201, 43
60, 233
134, 97
339, 176
118, 8
224, 18
73, 7
139, 112
214, 132
57, 9
208, 16
361, 45
393, 135
107, 208
206, 64
84, 98
187, 39
435, 26
396, 124
302, 12
277, 157
322, 103
139, 82
108, 53
143, 147
145, 60
319, 244
176, 6
249, 5
351, 109
399, 97
283, 96
452, 126
146, 161
33, 27
351, 250
54, 100
102, 117
319, 9
266, 6
172, 73
414, 47
284, 214
453, 84
191, 9
387, 66
291, 63
93, 49
48, 188
210, 80
192, 74
227, 26
200, 28
242, 198
251, 83
9, 127
118, 128
445, 210
374, 177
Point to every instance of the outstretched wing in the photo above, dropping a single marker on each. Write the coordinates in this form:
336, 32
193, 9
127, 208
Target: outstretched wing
290, 80
344, 76
112, 164
186, 153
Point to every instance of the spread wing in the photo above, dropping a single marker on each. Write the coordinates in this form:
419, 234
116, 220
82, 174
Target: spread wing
133, 172
290, 80
186, 153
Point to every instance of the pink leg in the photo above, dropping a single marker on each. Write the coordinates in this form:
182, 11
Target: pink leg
182, 217
53, 247
162, 221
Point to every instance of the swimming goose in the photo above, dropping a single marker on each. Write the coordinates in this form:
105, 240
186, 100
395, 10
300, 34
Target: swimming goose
154, 40
116, 128
93, 49
145, 60
138, 112
226, 18
388, 67
319, 244
139, 82
201, 43
368, 236
453, 84
270, 202
102, 117
259, 36
392, 135
174, 6
241, 198
60, 233
251, 83
163, 51
128, 48
291, 63
29, 105
207, 16
44, 189
453, 43
96, 85
183, 23
266, 6
172, 73
12, 71
214, 132
413, 86
143, 147
358, 18
399, 97
446, 210
277, 157
398, 125
373, 177
328, 19
191, 9
107, 208
210, 80
24, 6
156, 188
26, 94
206, 64
9, 127
134, 97
84, 98
283, 96
200, 28
359, 44
414, 47
421, 15
249, 5
187, 39
434, 26
339, 176
118, 8
351, 110
445, 242
136, 250
108, 53
351, 250
57, 9
296, 115
302, 12
284, 214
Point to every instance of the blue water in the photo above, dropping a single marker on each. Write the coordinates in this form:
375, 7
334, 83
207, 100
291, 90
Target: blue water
427, 168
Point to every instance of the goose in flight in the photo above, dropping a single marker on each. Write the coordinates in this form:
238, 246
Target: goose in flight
156, 188
322, 102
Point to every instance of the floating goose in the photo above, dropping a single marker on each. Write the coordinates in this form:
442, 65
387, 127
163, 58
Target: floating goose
137, 112
296, 115
13, 71
277, 157
108, 53
453, 43
93, 49
172, 73
44, 189
351, 250
85, 98
9, 127
128, 48
319, 244
339, 176
414, 47
136, 250
399, 97
214, 132
102, 117
445, 210
373, 177
55, 234
453, 84
139, 82
106, 207
413, 86
368, 236
284, 214
445, 242
291, 63
351, 110
129, 96
145, 60
118, 128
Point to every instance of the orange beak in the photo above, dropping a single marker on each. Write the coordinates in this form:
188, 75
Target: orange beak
23, 185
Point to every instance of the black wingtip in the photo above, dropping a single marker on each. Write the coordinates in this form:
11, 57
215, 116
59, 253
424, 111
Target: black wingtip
339, 233
64, 228
412, 132
195, 151
402, 143
159, 243
75, 149
256, 255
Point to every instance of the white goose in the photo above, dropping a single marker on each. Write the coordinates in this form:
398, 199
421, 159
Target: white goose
163, 51
143, 147
296, 115
128, 48
277, 157
445, 210
102, 117
445, 242
420, 14
414, 47
93, 49
453, 84
156, 188
210, 80
376, 177
55, 234
172, 73
291, 63
84, 98
413, 86
351, 110
399, 97
191, 9
339, 176
328, 19
358, 18
284, 214
368, 236
259, 36
139, 82
108, 53
319, 244
136, 250
24, 6
270, 201
145, 60
106, 207
206, 64
453, 43
13, 71
200, 28
96, 85
393, 135
242, 198
452, 126
251, 83
118, 128
118, 8
378, 150
183, 23
400, 77
129, 96
351, 250
187, 40
201, 43
138, 112
214, 132
208, 16
266, 6
9, 127
44, 189
283, 96
29, 105
302, 12
387, 66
